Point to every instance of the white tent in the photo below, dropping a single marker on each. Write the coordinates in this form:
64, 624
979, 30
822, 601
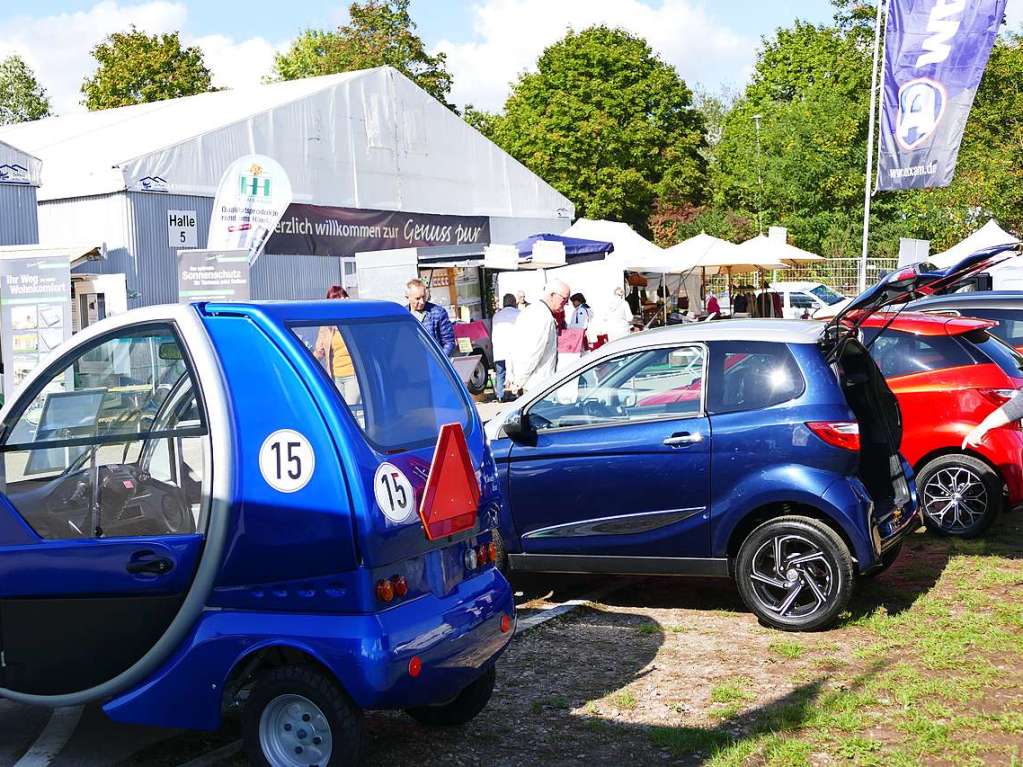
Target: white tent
988, 235
773, 249
367, 139
632, 251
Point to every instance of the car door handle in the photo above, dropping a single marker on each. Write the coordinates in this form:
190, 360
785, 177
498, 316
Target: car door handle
148, 563
682, 438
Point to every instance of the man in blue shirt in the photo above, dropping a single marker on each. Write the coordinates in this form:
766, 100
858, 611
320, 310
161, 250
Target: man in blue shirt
434, 318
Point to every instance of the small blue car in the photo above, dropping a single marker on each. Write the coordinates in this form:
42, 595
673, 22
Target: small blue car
762, 450
220, 507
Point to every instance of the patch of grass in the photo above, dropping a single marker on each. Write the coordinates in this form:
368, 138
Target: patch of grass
786, 648
650, 628
677, 628
734, 690
624, 700
682, 741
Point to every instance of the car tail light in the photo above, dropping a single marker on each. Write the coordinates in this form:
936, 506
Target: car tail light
400, 585
505, 623
385, 590
492, 552
415, 666
481, 554
843, 434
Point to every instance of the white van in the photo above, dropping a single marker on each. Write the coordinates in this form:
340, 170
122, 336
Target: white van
802, 298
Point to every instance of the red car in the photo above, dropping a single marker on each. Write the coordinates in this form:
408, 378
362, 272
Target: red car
948, 373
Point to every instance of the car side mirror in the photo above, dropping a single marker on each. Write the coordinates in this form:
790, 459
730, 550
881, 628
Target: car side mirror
518, 429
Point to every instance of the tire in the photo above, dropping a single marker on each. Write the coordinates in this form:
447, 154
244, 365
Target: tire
477, 382
466, 705
960, 495
825, 582
291, 708
888, 559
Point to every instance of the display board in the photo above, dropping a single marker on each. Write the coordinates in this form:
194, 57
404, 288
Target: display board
35, 313
213, 275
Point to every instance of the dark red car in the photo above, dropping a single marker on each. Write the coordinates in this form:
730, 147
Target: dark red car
948, 373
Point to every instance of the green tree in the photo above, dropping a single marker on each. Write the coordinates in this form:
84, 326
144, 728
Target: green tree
136, 68
380, 33
608, 124
22, 98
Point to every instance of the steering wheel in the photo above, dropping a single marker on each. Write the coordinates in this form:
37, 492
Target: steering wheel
595, 408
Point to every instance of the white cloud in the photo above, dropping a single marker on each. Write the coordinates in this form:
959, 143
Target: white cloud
58, 47
511, 34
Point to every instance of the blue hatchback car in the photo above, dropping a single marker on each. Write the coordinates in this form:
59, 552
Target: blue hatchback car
220, 506
762, 450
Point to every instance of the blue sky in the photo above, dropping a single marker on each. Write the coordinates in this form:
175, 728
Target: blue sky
488, 42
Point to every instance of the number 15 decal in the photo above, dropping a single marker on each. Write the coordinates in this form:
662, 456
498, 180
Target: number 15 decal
393, 492
286, 461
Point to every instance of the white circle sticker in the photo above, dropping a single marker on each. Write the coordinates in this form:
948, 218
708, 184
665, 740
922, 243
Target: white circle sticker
394, 493
287, 461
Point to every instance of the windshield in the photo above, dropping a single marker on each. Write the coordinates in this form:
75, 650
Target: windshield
827, 295
392, 378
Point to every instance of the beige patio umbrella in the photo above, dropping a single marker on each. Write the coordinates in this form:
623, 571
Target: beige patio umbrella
772, 249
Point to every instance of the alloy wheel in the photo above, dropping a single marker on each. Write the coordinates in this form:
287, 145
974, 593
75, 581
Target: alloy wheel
792, 577
293, 732
955, 498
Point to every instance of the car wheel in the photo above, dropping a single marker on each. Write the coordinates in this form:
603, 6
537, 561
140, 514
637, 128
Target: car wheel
297, 716
887, 560
465, 706
795, 573
960, 495
477, 382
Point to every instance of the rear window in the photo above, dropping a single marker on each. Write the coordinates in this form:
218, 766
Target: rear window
1010, 323
902, 354
391, 377
749, 375
994, 349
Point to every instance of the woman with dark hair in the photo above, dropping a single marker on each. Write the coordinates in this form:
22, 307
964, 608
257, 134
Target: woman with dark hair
581, 312
330, 349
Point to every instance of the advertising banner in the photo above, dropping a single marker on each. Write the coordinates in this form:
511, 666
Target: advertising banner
327, 231
254, 192
35, 313
935, 54
213, 275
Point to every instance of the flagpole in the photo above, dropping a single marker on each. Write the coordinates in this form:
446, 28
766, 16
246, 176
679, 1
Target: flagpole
862, 281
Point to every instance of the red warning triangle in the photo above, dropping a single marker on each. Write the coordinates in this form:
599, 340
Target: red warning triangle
452, 491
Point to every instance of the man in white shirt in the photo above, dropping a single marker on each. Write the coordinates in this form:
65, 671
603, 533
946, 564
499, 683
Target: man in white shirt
502, 336
535, 355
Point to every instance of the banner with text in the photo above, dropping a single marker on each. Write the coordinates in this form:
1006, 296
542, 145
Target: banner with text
935, 54
35, 313
213, 275
325, 231
253, 194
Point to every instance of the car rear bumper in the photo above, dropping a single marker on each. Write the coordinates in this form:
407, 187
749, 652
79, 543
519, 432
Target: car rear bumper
456, 638
1003, 448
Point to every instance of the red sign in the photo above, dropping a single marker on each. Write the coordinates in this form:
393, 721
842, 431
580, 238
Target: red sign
452, 492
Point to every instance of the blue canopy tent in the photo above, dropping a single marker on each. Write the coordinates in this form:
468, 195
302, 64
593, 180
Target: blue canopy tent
577, 250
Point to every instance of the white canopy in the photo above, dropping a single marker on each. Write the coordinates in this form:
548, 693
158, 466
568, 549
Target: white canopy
773, 249
368, 139
18, 167
715, 255
632, 251
989, 234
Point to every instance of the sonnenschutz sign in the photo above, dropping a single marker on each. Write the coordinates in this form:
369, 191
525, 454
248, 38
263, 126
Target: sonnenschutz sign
935, 54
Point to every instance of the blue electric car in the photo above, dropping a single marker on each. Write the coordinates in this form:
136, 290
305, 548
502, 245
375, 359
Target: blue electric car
762, 450
219, 506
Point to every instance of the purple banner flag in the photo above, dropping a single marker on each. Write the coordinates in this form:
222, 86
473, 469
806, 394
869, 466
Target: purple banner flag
935, 54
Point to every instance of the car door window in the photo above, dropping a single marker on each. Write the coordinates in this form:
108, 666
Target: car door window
750, 375
112, 444
801, 301
653, 383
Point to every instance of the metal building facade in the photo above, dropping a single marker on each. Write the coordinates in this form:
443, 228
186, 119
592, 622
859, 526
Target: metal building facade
134, 227
19, 224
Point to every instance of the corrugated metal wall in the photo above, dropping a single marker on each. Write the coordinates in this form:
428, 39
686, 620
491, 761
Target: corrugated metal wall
19, 221
134, 227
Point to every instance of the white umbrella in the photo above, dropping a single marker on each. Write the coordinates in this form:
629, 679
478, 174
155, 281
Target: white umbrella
632, 250
777, 250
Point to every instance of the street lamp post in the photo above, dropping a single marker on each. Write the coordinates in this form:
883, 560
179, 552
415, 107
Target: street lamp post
760, 179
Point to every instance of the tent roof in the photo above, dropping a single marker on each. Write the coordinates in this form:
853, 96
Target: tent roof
577, 249
989, 234
366, 139
17, 166
631, 249
777, 250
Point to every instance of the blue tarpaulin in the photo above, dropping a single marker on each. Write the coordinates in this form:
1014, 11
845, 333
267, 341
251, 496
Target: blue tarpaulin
577, 250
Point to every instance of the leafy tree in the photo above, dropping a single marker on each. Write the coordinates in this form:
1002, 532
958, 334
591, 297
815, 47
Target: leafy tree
136, 68
380, 33
22, 98
608, 124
